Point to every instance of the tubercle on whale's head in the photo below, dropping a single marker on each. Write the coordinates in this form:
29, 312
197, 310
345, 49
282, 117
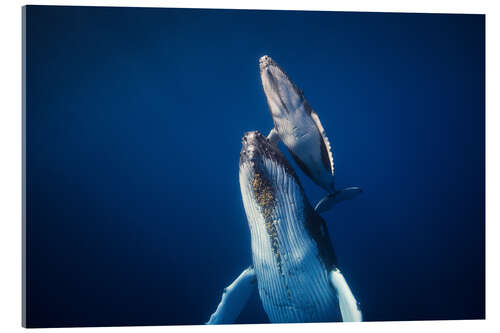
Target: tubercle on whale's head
253, 147
258, 155
256, 149
265, 61
283, 96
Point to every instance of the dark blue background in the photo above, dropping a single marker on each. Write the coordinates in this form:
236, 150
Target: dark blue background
134, 120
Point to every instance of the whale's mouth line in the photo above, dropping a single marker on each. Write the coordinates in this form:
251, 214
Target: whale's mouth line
274, 84
273, 69
280, 85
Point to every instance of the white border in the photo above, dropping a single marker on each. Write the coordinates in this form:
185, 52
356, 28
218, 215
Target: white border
10, 162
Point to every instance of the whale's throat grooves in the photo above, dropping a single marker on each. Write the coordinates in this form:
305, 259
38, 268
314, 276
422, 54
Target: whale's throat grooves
265, 196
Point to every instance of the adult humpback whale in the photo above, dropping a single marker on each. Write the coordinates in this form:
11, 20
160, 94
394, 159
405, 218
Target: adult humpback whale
294, 264
299, 128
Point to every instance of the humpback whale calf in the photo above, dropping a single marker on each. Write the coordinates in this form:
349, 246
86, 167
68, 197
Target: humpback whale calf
294, 265
299, 128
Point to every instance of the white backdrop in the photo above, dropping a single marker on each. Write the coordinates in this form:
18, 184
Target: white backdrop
10, 159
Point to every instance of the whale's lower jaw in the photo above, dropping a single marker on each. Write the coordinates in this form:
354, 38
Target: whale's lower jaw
289, 261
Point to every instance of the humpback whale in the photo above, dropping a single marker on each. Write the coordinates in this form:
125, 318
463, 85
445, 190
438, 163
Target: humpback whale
298, 126
294, 267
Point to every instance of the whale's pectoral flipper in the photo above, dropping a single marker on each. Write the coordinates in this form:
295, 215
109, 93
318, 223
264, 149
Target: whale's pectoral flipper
332, 199
347, 303
326, 147
273, 137
234, 298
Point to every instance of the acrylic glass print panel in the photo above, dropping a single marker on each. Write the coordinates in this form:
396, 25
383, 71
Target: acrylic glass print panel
188, 166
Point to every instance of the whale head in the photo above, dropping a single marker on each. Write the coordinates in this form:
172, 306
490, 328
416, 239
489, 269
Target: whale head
264, 175
259, 158
283, 96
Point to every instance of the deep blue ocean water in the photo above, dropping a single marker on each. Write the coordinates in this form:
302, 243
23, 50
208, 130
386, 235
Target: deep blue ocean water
134, 120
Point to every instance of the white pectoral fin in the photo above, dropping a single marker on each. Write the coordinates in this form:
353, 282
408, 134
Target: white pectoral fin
328, 146
273, 137
332, 199
347, 303
234, 298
